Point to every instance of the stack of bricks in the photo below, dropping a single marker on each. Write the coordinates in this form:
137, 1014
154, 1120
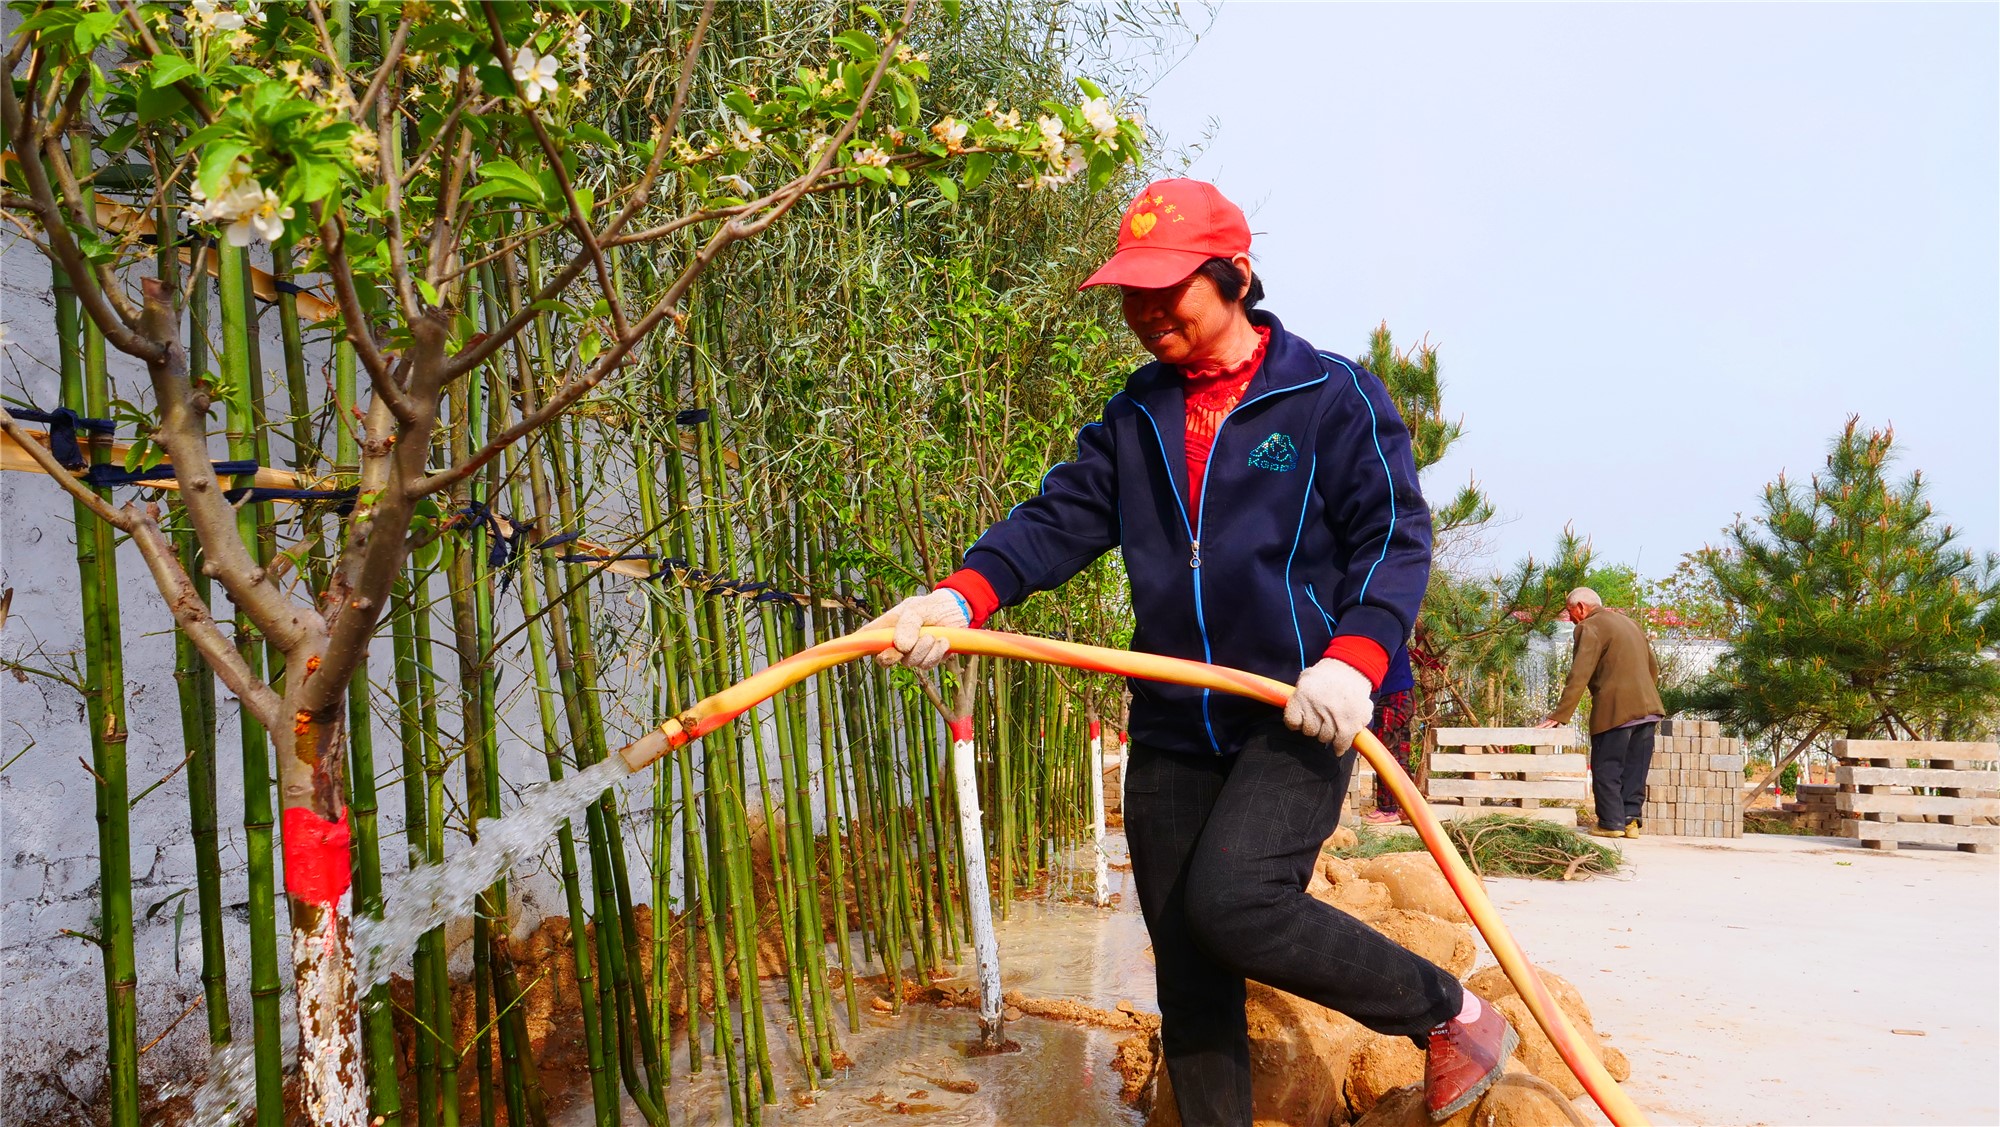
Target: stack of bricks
1817, 812
1695, 788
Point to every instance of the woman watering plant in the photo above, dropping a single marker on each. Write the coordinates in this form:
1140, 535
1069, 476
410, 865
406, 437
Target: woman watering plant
1266, 502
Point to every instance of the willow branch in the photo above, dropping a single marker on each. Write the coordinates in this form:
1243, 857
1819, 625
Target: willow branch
195, 619
578, 221
391, 58
686, 78
183, 87
333, 238
42, 202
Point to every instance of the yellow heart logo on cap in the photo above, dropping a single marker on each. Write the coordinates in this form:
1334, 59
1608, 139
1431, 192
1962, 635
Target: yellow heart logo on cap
1143, 223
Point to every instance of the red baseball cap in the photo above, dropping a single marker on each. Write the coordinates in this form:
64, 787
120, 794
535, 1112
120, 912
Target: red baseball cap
1172, 228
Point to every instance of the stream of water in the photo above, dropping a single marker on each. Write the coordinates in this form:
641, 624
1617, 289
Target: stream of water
424, 898
430, 895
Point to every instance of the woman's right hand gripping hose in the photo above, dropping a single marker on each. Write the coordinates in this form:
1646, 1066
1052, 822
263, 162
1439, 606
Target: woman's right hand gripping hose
911, 648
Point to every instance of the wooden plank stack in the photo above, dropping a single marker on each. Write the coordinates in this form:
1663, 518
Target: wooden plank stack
1473, 772
1919, 791
1695, 788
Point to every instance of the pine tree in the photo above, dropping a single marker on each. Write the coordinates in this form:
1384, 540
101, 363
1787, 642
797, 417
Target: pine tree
1858, 614
1474, 628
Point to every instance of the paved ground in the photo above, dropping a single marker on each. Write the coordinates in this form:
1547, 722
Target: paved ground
1755, 981
1764, 979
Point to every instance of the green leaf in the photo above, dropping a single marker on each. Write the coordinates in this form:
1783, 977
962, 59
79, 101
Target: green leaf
584, 131
169, 69
1090, 89
977, 167
950, 10
946, 186
859, 44
216, 161
590, 348
316, 179
429, 291
152, 104
93, 28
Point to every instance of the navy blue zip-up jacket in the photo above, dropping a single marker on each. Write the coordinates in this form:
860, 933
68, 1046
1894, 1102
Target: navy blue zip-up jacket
1311, 525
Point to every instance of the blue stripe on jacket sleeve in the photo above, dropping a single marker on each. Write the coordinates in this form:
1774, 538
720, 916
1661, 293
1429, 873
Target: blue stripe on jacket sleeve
1374, 433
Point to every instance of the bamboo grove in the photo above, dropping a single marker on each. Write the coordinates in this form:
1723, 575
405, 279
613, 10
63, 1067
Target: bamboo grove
410, 371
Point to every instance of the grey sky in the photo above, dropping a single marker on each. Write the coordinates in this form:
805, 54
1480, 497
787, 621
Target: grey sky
1665, 250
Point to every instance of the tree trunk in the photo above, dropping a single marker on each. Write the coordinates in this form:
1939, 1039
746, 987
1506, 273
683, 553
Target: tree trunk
318, 864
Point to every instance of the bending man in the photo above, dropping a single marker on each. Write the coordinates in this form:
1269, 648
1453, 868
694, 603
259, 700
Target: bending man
1612, 659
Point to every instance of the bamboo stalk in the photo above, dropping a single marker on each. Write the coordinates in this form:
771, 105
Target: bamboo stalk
195, 682
429, 1042
258, 812
85, 387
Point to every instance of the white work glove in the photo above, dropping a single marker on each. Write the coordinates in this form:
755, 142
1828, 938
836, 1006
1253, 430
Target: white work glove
942, 607
1331, 703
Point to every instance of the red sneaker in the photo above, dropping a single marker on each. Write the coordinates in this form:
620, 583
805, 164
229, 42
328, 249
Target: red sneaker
1464, 1060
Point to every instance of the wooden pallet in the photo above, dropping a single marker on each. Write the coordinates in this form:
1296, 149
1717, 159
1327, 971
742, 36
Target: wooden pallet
1488, 777
1877, 788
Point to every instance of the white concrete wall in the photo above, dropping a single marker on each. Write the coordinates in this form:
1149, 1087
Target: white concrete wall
51, 985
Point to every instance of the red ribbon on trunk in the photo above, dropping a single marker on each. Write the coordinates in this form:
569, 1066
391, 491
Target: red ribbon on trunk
318, 861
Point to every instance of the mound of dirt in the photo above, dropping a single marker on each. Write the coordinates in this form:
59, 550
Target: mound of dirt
1336, 881
1383, 1065
1415, 883
1297, 1052
1449, 945
1537, 1054
1515, 1100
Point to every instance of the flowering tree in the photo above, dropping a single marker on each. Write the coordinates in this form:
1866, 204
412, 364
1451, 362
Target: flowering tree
409, 156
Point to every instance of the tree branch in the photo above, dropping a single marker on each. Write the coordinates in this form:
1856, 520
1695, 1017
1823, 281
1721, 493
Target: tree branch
198, 623
333, 240
189, 611
42, 202
183, 434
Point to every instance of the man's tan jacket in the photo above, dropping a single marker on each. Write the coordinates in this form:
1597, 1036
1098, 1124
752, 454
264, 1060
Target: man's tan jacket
1613, 660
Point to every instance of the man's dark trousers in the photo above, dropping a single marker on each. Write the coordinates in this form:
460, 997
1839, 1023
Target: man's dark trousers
1222, 848
1619, 761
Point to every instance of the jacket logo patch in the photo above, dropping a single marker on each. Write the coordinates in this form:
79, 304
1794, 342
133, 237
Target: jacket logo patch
1275, 453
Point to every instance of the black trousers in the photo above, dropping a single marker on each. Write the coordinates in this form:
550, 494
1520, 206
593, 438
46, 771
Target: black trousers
1222, 848
1619, 761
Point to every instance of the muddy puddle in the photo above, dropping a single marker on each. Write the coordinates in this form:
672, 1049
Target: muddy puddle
910, 1067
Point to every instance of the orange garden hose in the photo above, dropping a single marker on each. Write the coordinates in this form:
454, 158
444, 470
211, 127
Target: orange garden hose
715, 711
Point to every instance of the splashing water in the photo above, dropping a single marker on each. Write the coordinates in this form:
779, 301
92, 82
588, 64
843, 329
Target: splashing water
430, 895
426, 897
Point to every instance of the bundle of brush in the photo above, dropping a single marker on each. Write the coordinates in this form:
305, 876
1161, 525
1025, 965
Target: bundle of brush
1504, 845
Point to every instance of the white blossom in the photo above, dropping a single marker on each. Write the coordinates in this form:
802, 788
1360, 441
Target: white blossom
207, 15
580, 44
872, 157
1052, 135
950, 133
535, 73
251, 210
264, 220
5, 342
1097, 112
744, 136
737, 184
